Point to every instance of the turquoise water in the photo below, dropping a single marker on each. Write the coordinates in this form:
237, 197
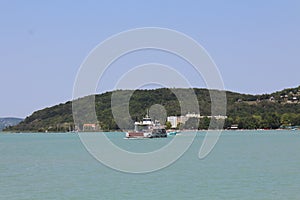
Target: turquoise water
243, 165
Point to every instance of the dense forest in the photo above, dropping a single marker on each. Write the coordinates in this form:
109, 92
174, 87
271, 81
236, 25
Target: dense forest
267, 111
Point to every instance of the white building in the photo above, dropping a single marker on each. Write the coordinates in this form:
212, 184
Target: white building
193, 115
173, 120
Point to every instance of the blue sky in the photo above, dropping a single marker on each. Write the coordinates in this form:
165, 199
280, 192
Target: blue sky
255, 44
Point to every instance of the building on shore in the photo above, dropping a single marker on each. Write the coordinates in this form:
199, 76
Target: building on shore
90, 127
175, 120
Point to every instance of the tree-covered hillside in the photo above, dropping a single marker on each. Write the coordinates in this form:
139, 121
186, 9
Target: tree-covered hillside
247, 111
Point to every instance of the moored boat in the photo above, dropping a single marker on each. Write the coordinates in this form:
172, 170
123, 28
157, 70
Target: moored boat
172, 132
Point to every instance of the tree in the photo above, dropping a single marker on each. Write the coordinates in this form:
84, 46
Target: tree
179, 126
168, 125
285, 119
191, 123
204, 123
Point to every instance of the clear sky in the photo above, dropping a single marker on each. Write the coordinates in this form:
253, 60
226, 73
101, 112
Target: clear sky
255, 44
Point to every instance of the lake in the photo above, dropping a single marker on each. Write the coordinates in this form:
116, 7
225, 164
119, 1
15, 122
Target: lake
244, 165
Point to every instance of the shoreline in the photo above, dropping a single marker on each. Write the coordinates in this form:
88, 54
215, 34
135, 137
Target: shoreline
181, 131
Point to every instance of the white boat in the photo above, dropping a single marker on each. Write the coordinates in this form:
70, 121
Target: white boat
147, 129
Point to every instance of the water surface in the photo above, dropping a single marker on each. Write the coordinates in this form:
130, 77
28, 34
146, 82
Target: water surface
244, 165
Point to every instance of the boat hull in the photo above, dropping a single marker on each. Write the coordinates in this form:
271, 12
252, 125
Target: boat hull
137, 135
155, 133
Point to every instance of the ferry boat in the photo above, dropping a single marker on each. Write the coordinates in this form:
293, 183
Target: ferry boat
147, 129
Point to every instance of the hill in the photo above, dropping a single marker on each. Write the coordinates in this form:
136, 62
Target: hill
268, 111
9, 121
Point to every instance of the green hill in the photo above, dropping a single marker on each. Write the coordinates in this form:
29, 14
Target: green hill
245, 110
